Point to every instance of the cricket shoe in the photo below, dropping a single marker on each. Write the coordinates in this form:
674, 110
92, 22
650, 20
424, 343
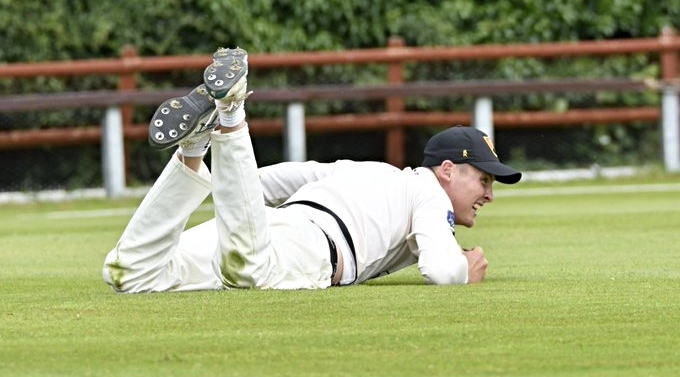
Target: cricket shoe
183, 119
226, 78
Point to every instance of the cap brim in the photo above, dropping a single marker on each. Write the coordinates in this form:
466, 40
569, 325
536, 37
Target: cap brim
503, 173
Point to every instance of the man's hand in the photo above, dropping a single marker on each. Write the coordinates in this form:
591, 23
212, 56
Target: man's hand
477, 264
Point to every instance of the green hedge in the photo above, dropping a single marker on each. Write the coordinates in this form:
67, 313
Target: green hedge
79, 29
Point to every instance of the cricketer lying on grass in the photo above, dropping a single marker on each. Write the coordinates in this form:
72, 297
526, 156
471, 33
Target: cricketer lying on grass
295, 225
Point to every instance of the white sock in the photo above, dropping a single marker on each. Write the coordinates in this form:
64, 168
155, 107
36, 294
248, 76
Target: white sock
197, 149
231, 118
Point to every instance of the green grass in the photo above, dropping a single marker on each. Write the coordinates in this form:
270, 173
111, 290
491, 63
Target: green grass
578, 285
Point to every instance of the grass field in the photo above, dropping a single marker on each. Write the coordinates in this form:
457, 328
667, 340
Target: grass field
584, 280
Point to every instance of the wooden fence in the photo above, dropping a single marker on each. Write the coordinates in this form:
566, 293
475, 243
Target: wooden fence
393, 120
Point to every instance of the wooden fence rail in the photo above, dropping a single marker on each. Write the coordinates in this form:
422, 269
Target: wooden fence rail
106, 98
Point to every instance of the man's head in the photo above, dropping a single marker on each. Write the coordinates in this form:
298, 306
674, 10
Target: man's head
465, 163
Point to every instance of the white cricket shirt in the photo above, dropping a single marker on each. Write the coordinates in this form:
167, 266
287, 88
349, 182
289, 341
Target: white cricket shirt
396, 218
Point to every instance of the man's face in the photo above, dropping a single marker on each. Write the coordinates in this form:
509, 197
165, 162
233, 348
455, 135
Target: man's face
468, 188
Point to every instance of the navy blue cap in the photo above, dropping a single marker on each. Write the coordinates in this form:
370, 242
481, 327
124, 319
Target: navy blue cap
470, 146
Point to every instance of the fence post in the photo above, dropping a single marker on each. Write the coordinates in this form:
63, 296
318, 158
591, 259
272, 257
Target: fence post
669, 128
394, 143
113, 157
482, 119
294, 137
127, 81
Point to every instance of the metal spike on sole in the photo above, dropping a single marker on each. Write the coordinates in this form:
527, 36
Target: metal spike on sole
228, 66
177, 118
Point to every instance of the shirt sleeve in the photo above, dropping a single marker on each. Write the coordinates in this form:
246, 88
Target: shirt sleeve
282, 180
446, 267
440, 258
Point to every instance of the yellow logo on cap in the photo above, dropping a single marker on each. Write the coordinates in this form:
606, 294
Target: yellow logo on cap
465, 153
490, 144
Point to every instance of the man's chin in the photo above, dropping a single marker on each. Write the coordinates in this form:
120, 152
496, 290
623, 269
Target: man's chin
467, 224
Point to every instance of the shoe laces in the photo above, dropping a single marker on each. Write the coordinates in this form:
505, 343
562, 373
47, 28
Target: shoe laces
233, 102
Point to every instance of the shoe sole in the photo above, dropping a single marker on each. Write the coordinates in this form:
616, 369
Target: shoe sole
228, 66
178, 117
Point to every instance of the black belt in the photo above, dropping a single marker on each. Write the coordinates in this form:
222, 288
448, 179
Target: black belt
341, 225
334, 252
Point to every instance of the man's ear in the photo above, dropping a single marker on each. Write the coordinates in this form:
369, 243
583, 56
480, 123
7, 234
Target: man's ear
446, 169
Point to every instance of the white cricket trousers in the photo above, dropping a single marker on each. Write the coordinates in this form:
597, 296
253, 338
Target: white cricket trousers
246, 245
